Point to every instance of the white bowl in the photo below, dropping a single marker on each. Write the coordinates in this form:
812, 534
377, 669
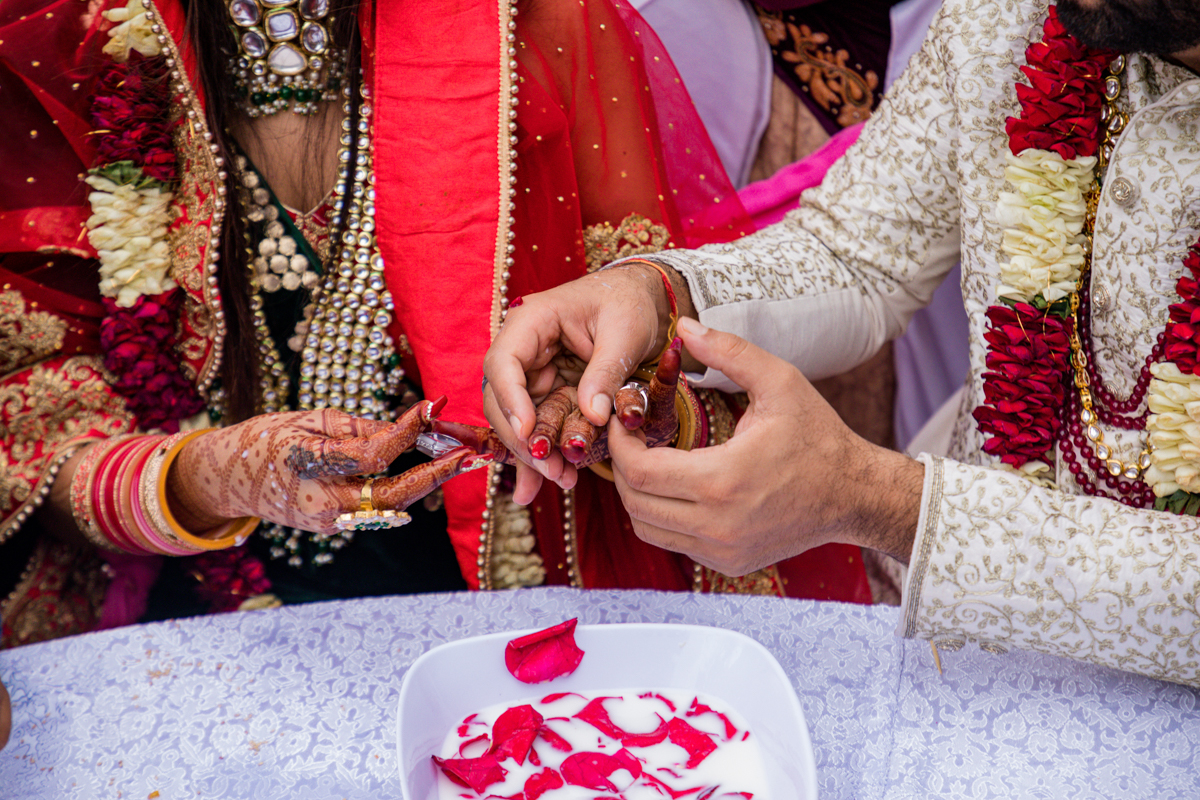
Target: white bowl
454, 680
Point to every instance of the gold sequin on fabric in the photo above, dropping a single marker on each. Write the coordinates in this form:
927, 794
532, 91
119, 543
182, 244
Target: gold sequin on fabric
634, 236
764, 582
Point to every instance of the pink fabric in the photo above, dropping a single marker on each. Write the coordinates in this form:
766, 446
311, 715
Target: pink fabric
128, 589
767, 201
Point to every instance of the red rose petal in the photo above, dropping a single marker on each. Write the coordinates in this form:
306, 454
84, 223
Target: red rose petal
596, 715
554, 698
697, 743
591, 770
483, 737
674, 794
699, 708
541, 782
545, 655
465, 726
514, 731
658, 696
554, 740
475, 773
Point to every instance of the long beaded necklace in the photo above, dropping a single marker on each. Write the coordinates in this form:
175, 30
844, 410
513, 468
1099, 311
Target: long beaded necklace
348, 358
1083, 416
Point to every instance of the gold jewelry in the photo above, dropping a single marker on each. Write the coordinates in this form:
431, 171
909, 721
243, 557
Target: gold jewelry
369, 518
153, 489
284, 47
1114, 122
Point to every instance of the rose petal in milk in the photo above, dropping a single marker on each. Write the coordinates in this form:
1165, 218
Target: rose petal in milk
608, 757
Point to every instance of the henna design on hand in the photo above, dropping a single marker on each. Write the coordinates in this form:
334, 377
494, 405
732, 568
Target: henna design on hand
551, 415
583, 444
308, 464
291, 467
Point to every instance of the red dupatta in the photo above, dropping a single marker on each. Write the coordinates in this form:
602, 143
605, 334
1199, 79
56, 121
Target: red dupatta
606, 130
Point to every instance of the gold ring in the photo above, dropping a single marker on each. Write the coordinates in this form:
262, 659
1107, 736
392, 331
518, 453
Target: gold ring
365, 503
369, 518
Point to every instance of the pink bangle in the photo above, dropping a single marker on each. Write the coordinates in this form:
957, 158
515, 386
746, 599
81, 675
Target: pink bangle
107, 500
127, 482
168, 544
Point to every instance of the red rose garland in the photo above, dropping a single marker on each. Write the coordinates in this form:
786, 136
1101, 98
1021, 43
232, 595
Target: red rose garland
133, 135
1029, 353
1182, 342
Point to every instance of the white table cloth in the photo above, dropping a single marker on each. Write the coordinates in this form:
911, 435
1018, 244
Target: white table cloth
300, 702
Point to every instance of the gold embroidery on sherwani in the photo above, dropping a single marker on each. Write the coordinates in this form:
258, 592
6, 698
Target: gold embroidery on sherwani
26, 334
634, 236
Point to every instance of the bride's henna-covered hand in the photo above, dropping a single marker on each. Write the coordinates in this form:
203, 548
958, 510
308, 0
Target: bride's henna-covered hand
559, 422
304, 468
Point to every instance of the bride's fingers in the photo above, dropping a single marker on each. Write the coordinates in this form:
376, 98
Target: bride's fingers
325, 457
551, 415
631, 403
401, 491
484, 441
577, 437
661, 420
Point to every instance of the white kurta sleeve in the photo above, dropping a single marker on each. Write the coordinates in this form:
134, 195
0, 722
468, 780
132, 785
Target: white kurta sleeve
1003, 562
826, 287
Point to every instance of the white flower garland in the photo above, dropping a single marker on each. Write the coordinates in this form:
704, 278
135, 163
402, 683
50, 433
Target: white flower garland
1043, 225
1174, 429
128, 228
133, 32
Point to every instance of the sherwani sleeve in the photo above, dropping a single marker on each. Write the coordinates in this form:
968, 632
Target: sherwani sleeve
1003, 562
826, 287
998, 559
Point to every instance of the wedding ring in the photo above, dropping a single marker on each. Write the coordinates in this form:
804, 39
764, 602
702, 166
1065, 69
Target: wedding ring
369, 518
365, 503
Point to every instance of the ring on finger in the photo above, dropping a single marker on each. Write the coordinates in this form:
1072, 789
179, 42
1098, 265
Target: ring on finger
369, 518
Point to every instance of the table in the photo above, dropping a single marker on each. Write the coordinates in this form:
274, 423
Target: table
300, 702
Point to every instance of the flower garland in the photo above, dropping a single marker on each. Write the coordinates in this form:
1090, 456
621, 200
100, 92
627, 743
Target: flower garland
130, 201
1052, 164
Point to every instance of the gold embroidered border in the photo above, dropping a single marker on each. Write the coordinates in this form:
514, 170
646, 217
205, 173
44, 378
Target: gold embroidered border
46, 416
191, 242
764, 582
504, 151
27, 335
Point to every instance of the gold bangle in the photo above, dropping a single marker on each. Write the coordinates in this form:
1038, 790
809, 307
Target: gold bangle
154, 498
369, 518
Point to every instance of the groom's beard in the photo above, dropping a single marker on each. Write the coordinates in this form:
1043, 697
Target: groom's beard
1134, 26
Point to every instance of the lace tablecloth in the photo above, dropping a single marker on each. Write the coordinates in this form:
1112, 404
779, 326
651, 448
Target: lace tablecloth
300, 702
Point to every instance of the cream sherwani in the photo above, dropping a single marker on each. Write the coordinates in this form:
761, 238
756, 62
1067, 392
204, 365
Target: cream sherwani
998, 560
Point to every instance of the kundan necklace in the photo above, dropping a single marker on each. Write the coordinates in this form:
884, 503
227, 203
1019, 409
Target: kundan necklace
1039, 347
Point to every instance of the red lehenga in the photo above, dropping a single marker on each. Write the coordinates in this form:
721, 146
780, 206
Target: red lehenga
610, 159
